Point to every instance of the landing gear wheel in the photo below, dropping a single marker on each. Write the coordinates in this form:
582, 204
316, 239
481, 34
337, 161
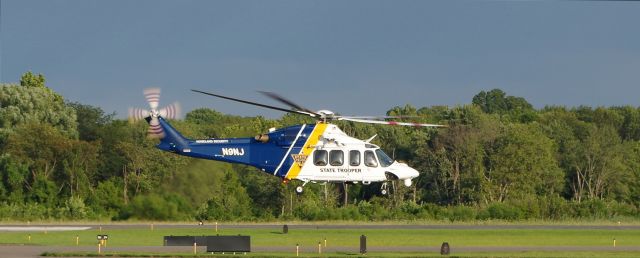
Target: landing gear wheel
383, 189
299, 190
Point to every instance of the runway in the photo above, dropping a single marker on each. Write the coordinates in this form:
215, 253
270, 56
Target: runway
41, 228
20, 251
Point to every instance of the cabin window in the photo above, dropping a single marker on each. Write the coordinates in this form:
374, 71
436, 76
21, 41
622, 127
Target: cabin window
354, 158
336, 158
370, 159
320, 158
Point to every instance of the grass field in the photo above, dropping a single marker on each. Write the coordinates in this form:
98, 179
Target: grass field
350, 238
408, 254
344, 237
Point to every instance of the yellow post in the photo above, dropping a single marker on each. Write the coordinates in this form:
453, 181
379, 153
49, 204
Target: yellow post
297, 250
216, 227
29, 237
195, 247
614, 242
319, 247
99, 251
325, 242
77, 240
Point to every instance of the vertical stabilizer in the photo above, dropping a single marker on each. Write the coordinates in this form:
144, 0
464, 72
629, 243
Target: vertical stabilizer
172, 140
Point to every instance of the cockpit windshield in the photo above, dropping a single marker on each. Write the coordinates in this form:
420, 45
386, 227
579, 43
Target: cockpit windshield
385, 160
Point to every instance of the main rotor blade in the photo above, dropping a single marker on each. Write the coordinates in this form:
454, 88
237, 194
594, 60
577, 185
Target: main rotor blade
260, 105
287, 102
390, 122
376, 117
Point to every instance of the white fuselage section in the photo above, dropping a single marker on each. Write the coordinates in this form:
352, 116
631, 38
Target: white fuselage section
337, 157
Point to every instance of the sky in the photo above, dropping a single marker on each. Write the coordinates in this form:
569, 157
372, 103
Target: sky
352, 57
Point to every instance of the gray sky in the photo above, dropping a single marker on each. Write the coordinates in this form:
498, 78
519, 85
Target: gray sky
352, 57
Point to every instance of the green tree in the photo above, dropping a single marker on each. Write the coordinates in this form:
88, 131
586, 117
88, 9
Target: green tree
14, 175
91, 120
44, 154
231, 203
21, 105
29, 79
496, 101
597, 163
521, 163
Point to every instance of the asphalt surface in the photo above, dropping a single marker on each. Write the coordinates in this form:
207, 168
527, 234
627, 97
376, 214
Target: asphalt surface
19, 251
34, 251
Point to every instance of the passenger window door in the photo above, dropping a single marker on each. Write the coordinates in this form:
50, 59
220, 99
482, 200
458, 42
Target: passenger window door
370, 159
320, 158
336, 158
354, 158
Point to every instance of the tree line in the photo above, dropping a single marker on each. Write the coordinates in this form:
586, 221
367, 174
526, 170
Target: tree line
499, 158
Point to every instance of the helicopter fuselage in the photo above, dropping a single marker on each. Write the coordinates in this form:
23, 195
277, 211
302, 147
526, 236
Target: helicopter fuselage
318, 152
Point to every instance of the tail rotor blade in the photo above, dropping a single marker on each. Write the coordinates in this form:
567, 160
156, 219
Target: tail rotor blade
155, 129
153, 97
171, 111
136, 114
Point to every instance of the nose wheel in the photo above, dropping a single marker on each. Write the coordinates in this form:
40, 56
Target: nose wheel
299, 190
384, 189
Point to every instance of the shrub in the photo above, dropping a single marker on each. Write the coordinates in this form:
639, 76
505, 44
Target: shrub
504, 211
462, 213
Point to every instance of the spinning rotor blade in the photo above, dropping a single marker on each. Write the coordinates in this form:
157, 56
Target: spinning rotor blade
171, 111
389, 122
287, 102
153, 97
155, 130
260, 105
136, 114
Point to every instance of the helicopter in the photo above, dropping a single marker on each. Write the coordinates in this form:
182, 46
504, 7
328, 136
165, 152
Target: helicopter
317, 153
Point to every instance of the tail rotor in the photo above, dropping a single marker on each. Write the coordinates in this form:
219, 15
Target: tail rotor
152, 95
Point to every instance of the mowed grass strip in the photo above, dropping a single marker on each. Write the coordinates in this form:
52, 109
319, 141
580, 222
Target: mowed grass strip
343, 237
376, 254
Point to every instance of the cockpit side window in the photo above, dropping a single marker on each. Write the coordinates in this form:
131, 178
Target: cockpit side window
320, 157
370, 159
385, 160
354, 158
336, 158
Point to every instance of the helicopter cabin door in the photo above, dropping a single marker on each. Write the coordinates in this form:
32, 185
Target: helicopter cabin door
332, 165
355, 166
370, 165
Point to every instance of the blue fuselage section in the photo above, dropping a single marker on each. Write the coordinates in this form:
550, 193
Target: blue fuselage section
272, 154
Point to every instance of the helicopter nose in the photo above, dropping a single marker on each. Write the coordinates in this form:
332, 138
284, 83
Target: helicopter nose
414, 173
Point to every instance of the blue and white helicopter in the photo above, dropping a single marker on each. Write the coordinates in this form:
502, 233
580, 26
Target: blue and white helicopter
316, 153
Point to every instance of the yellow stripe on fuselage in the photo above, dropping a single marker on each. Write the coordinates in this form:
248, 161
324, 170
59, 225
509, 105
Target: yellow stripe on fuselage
308, 147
